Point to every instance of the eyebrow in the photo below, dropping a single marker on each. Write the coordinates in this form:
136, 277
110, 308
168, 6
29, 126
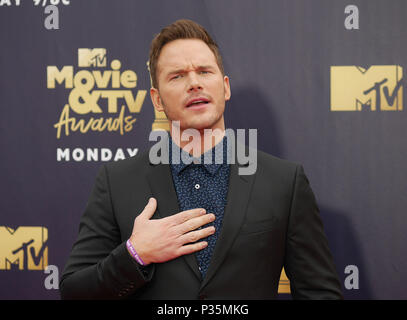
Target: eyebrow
182, 70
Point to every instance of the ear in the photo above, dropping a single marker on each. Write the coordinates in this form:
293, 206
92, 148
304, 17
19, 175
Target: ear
226, 85
156, 99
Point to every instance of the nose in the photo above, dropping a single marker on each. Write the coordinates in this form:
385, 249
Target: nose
194, 84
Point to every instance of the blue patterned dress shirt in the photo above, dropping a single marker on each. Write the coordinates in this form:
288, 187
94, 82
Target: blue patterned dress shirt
202, 185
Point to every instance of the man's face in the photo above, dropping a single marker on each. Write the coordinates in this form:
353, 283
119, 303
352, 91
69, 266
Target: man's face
192, 89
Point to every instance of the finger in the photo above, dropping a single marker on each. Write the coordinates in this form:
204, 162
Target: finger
191, 248
194, 236
186, 215
149, 209
196, 222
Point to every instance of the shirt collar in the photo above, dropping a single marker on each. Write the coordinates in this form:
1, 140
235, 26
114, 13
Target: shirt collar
218, 158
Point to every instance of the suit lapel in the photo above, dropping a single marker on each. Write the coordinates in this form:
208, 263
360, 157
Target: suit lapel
235, 211
162, 187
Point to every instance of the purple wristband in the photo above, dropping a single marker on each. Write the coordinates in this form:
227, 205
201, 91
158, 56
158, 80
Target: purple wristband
134, 253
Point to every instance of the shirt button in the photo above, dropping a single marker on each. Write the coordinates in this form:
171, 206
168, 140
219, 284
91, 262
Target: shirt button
197, 186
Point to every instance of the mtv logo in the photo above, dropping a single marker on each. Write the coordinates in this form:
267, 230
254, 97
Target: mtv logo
377, 88
23, 248
284, 283
91, 57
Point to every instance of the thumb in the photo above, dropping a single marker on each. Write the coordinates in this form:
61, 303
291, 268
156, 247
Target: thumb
149, 209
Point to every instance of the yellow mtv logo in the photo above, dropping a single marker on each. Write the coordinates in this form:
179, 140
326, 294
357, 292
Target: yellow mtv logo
377, 88
23, 248
91, 57
284, 283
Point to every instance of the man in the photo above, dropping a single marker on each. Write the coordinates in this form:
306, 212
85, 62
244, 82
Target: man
189, 231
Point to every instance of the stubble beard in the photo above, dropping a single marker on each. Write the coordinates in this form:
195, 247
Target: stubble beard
213, 122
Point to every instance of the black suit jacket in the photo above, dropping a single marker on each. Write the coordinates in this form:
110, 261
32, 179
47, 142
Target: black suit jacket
271, 220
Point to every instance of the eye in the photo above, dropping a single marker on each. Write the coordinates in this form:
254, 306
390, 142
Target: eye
177, 76
204, 72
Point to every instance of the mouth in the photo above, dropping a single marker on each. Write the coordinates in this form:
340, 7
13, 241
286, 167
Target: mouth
197, 103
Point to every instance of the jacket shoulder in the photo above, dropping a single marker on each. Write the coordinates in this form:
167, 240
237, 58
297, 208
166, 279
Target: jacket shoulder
133, 165
276, 170
271, 162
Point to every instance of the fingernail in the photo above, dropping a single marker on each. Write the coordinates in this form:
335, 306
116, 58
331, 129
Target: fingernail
203, 211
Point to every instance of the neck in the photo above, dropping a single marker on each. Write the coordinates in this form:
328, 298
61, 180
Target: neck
197, 141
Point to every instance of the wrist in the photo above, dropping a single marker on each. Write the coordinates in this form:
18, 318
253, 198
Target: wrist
134, 254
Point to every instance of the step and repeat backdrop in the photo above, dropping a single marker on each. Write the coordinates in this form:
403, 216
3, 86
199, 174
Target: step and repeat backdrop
321, 81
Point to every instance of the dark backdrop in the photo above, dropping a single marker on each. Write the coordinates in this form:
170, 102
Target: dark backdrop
278, 55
